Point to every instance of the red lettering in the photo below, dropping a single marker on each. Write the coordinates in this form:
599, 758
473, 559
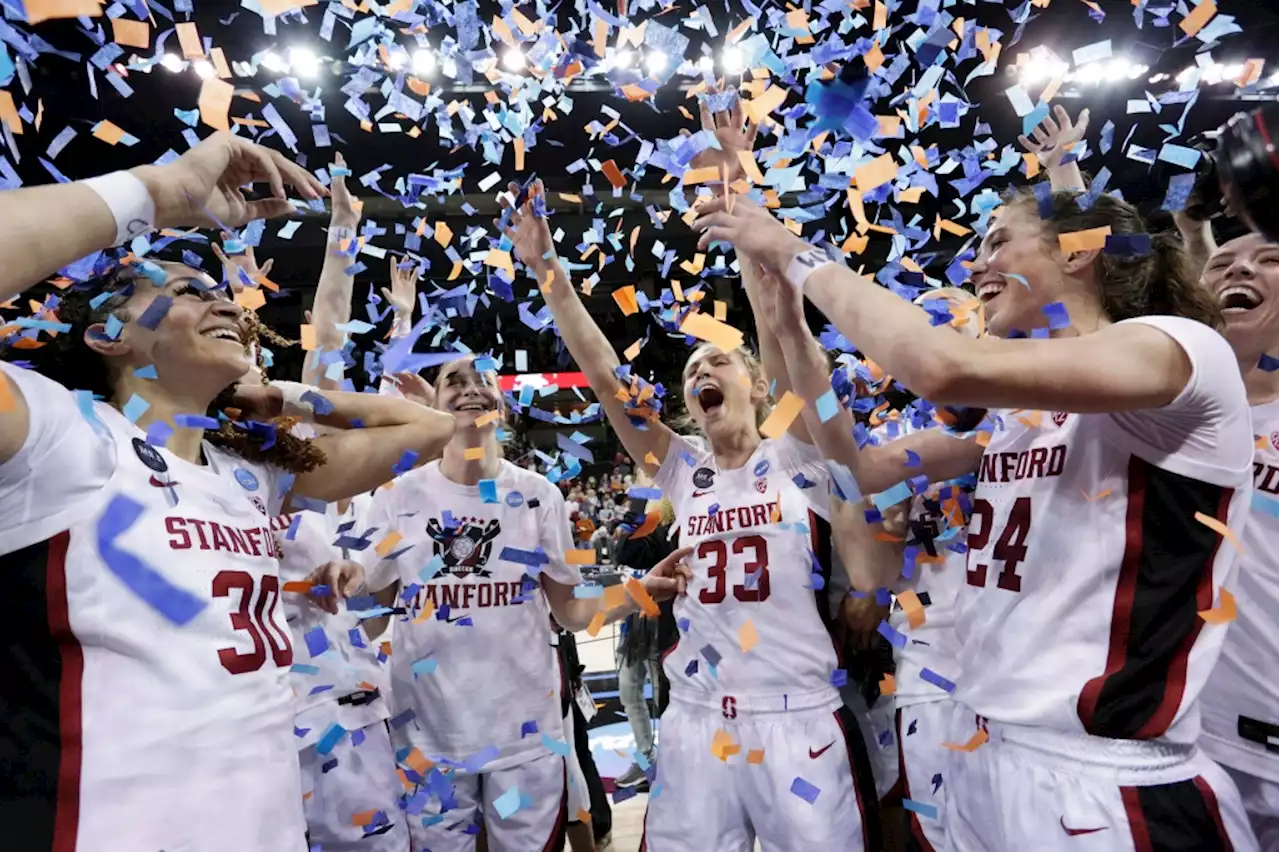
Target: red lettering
1265, 478
1038, 457
251, 538
744, 517
1021, 471
204, 543
176, 527
500, 594
450, 596
236, 537
759, 516
219, 537
468, 593
727, 518
1008, 465
987, 470
1057, 460
484, 595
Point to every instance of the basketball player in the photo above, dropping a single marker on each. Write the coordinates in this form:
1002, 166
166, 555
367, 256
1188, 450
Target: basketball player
482, 547
1120, 423
1240, 703
752, 675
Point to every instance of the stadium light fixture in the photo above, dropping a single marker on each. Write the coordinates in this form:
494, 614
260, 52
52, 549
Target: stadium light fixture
513, 59
173, 62
273, 61
203, 69
732, 60
304, 61
424, 62
655, 62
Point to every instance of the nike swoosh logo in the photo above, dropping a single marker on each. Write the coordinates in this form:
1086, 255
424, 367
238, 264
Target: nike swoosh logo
701, 493
814, 755
1076, 832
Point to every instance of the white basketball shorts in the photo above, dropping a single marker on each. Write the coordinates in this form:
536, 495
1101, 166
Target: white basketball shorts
536, 825
1053, 791
353, 805
1261, 799
796, 780
922, 768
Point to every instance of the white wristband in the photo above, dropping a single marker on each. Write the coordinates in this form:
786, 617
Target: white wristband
129, 202
294, 405
804, 264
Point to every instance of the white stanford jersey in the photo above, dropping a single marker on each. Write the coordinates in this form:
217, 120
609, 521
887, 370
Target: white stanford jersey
119, 728
1241, 705
474, 658
932, 645
753, 628
1087, 567
347, 662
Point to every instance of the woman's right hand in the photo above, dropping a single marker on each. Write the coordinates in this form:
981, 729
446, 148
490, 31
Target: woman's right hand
731, 134
1052, 138
530, 234
403, 291
670, 577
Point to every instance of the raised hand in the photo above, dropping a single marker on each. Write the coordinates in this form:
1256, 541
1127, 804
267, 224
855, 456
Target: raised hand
403, 292
203, 187
530, 234
781, 304
343, 577
1054, 135
670, 577
414, 387
749, 229
232, 264
346, 207
733, 136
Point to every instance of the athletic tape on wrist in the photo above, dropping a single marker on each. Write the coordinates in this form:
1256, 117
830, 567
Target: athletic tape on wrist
805, 264
294, 405
129, 202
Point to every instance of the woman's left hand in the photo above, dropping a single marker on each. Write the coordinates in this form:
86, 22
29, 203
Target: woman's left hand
670, 577
258, 402
782, 304
749, 229
343, 577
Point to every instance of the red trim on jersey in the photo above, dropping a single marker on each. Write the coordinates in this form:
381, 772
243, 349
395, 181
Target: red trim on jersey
1211, 805
1137, 820
853, 778
1176, 681
1126, 589
917, 831
556, 839
66, 821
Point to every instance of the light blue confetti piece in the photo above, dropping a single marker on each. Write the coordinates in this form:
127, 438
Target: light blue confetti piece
844, 481
827, 406
424, 667
1021, 279
588, 591
289, 229
892, 496
1179, 155
488, 491
805, 790
147, 372
304, 669
114, 327
1018, 98
1266, 505
508, 803
432, 568
173, 602
135, 408
1092, 52
920, 808
558, 746
330, 738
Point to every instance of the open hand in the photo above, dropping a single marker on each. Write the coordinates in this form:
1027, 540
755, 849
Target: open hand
415, 388
530, 235
232, 264
346, 207
403, 292
203, 187
749, 229
1054, 136
670, 577
731, 134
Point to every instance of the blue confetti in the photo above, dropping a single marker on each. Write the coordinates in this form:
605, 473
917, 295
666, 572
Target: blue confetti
174, 603
805, 790
920, 808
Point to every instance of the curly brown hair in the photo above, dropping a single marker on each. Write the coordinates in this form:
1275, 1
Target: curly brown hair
68, 360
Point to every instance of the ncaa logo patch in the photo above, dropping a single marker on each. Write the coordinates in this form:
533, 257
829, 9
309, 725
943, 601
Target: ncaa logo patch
515, 499
149, 456
703, 477
762, 467
247, 480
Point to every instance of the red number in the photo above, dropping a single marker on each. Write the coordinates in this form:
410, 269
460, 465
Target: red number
760, 564
1011, 547
729, 707
239, 663
719, 569
716, 572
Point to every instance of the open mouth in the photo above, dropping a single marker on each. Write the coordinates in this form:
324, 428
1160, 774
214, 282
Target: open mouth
709, 398
989, 290
474, 407
1238, 299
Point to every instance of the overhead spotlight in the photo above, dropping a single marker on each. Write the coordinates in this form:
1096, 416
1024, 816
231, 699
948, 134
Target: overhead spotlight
732, 60
173, 62
1031, 73
1157, 78
655, 62
513, 59
1186, 73
396, 58
1136, 71
623, 59
1091, 74
273, 61
1068, 76
203, 68
304, 61
424, 62
706, 65
1212, 73
1117, 68
1233, 71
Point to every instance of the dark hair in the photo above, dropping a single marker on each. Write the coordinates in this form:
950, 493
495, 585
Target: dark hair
1159, 282
68, 360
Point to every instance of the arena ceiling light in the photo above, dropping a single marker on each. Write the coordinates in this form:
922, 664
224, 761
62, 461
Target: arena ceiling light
203, 68
732, 60
621, 59
173, 62
656, 62
706, 65
513, 59
273, 61
304, 61
424, 62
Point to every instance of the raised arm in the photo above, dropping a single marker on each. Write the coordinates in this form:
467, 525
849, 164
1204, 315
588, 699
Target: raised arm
772, 356
332, 305
48, 227
1052, 140
594, 354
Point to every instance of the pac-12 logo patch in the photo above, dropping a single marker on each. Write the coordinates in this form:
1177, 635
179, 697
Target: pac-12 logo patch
703, 477
149, 456
1059, 417
247, 480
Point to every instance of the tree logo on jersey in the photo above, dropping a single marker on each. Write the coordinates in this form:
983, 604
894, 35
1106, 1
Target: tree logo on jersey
149, 456
1059, 417
464, 547
704, 477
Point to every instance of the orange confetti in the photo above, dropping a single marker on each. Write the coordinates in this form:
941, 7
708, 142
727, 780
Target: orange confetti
473, 454
108, 132
387, 544
641, 596
888, 686
189, 39
597, 622
626, 299
747, 636
45, 10
215, 103
1094, 238
250, 298
703, 327
1200, 15
975, 742
1220, 528
129, 33
912, 607
486, 418
300, 587
613, 173
878, 172
9, 112
755, 756
1224, 612
307, 335
443, 234
578, 556
782, 416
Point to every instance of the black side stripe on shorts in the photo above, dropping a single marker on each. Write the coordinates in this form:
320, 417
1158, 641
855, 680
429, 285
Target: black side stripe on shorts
1166, 579
1178, 817
41, 667
864, 780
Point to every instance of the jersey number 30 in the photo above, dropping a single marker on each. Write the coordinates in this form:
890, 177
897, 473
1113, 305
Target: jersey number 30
260, 626
1011, 547
758, 565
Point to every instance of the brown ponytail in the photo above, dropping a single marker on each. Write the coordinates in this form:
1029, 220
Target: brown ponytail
1159, 282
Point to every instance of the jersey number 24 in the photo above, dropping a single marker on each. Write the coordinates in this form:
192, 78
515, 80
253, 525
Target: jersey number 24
1010, 548
757, 565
